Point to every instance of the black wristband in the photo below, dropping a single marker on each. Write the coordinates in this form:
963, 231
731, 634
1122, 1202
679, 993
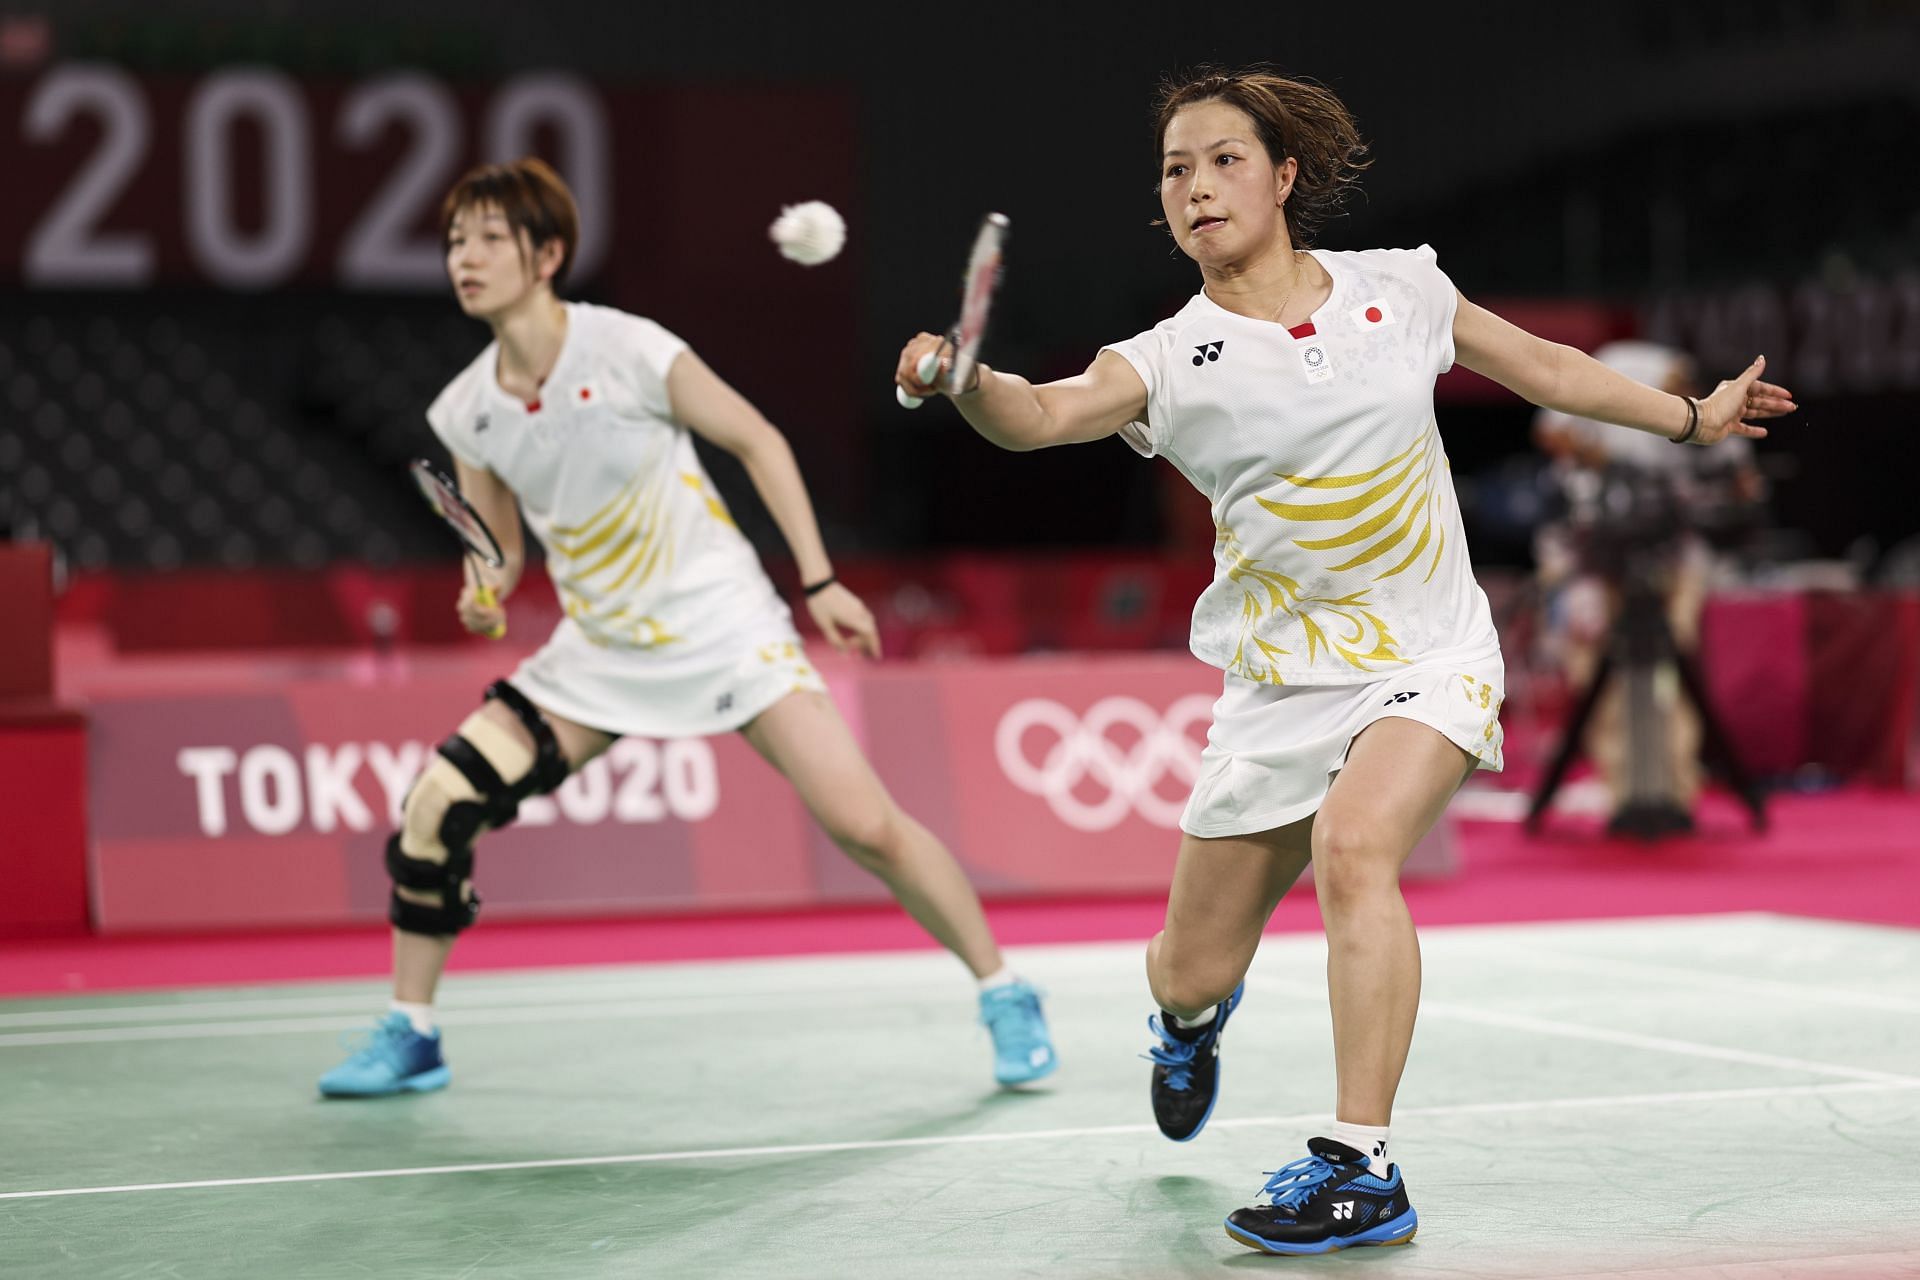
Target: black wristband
816, 588
1693, 421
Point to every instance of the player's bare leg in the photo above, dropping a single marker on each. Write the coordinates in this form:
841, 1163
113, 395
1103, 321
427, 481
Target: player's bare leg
1398, 778
418, 958
804, 737
402, 1052
1224, 890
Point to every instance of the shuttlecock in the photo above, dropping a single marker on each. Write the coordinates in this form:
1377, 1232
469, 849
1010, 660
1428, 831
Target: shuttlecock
809, 233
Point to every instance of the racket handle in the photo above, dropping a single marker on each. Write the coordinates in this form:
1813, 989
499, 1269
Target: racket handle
484, 597
926, 370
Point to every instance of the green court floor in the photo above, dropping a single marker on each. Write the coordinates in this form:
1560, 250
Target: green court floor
1729, 1096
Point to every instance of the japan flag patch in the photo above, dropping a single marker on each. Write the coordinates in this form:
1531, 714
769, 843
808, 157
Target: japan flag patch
585, 396
1373, 315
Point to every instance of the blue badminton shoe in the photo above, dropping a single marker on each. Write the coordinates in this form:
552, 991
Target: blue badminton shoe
394, 1058
1186, 1069
1022, 1049
1329, 1200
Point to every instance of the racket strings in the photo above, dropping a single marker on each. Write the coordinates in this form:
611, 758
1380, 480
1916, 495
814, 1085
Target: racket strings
465, 522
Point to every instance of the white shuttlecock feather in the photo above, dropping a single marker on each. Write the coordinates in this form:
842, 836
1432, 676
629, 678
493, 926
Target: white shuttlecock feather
809, 233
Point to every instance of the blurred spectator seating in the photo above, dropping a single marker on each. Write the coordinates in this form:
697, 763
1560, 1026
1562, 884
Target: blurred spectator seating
148, 433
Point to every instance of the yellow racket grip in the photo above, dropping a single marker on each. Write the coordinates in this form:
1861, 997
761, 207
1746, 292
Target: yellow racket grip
484, 597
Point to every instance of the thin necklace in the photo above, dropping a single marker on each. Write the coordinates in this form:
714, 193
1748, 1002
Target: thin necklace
1290, 288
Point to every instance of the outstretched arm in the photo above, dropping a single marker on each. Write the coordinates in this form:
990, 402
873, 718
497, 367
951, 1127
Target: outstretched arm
1015, 414
1559, 377
724, 417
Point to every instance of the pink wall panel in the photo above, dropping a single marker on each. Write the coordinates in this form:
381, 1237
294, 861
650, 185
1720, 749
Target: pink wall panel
258, 796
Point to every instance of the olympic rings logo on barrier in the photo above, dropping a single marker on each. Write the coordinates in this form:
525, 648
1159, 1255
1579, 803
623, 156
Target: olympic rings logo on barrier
1083, 757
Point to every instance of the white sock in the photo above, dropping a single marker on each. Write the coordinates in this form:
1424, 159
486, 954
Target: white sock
1369, 1140
1004, 976
1188, 1024
420, 1015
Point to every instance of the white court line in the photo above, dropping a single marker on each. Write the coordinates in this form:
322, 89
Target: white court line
584, 1011
1748, 986
464, 1000
1766, 1093
567, 1007
364, 1004
457, 1015
561, 986
478, 990
507, 1015
1659, 1044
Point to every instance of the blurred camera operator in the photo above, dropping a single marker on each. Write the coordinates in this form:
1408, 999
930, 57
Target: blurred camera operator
1627, 511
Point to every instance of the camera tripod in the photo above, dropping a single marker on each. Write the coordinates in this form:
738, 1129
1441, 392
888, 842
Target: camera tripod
1639, 642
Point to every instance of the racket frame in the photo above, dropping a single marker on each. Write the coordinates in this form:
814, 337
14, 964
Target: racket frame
443, 495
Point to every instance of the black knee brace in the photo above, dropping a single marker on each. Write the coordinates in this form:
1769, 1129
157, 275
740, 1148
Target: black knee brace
549, 766
498, 805
457, 908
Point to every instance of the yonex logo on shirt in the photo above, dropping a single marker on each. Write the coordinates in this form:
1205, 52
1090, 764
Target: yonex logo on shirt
482, 423
1207, 351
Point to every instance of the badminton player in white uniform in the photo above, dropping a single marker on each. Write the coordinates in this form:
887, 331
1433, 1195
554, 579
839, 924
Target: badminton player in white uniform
581, 417
1362, 676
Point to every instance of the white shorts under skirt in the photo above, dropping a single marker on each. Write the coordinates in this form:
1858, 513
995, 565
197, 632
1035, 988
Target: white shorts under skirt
657, 693
1273, 750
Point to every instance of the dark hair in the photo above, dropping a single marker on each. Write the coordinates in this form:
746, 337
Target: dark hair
1293, 118
530, 194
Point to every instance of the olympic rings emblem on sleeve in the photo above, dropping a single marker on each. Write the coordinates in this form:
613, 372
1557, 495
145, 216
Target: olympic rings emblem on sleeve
1091, 776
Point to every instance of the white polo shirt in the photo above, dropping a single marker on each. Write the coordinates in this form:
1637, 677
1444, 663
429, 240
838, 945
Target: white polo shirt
1339, 554
640, 548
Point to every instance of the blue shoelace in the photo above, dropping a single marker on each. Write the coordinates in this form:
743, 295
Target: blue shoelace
1291, 1184
1174, 1054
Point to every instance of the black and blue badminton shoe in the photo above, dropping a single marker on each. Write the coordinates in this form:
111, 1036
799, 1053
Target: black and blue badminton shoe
1328, 1200
1186, 1069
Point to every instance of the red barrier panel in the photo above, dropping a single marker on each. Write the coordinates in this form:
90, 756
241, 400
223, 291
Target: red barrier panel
43, 792
26, 639
343, 605
1754, 663
1864, 661
259, 793
43, 761
1823, 678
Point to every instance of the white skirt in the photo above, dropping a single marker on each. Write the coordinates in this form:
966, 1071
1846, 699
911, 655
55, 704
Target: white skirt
1273, 750
658, 693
